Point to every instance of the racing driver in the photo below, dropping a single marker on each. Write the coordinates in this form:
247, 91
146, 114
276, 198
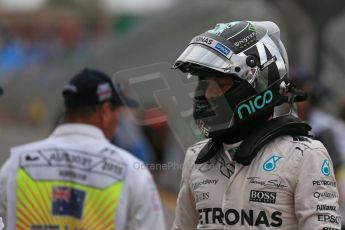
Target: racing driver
257, 169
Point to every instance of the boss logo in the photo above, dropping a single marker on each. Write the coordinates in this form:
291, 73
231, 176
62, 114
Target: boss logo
263, 196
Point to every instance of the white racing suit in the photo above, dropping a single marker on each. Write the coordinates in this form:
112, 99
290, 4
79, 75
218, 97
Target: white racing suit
289, 185
76, 179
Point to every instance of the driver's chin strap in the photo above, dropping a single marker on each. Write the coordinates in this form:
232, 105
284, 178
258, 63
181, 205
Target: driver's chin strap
246, 152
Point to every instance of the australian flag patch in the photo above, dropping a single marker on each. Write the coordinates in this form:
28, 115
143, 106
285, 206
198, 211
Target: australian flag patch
68, 201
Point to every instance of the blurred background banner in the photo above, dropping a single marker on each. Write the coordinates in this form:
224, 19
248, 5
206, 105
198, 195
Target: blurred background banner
164, 95
43, 43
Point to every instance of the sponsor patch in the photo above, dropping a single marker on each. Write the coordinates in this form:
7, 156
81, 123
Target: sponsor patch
327, 218
325, 207
263, 196
324, 183
271, 163
204, 40
206, 181
224, 50
326, 168
240, 217
200, 196
246, 41
325, 195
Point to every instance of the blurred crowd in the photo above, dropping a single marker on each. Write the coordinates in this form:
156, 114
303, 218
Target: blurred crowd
29, 45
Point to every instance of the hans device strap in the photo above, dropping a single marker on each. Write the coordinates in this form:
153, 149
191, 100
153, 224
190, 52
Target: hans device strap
280, 126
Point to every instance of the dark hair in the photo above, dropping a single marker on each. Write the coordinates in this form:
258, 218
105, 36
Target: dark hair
85, 111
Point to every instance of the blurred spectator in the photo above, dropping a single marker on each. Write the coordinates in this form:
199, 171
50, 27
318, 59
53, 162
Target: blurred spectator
98, 181
325, 127
157, 133
129, 136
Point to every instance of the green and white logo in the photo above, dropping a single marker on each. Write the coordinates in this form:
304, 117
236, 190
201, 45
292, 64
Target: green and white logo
251, 28
255, 104
220, 27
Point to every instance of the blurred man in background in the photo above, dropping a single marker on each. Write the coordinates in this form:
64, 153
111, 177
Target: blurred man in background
258, 170
325, 127
76, 179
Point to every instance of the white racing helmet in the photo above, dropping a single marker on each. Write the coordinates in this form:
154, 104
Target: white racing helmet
250, 52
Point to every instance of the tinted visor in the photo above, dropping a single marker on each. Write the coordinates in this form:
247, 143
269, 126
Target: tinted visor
211, 104
208, 57
204, 56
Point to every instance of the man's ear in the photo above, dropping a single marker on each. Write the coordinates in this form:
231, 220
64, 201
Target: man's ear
107, 111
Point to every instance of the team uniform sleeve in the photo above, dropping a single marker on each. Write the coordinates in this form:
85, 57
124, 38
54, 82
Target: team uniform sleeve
316, 194
145, 210
186, 217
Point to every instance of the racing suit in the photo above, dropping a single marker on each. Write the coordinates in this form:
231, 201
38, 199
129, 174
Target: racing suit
289, 185
76, 179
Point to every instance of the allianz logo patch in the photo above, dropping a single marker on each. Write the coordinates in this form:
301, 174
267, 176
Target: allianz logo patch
263, 196
325, 207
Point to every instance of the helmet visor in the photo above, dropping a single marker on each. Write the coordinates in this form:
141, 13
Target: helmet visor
212, 111
204, 56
